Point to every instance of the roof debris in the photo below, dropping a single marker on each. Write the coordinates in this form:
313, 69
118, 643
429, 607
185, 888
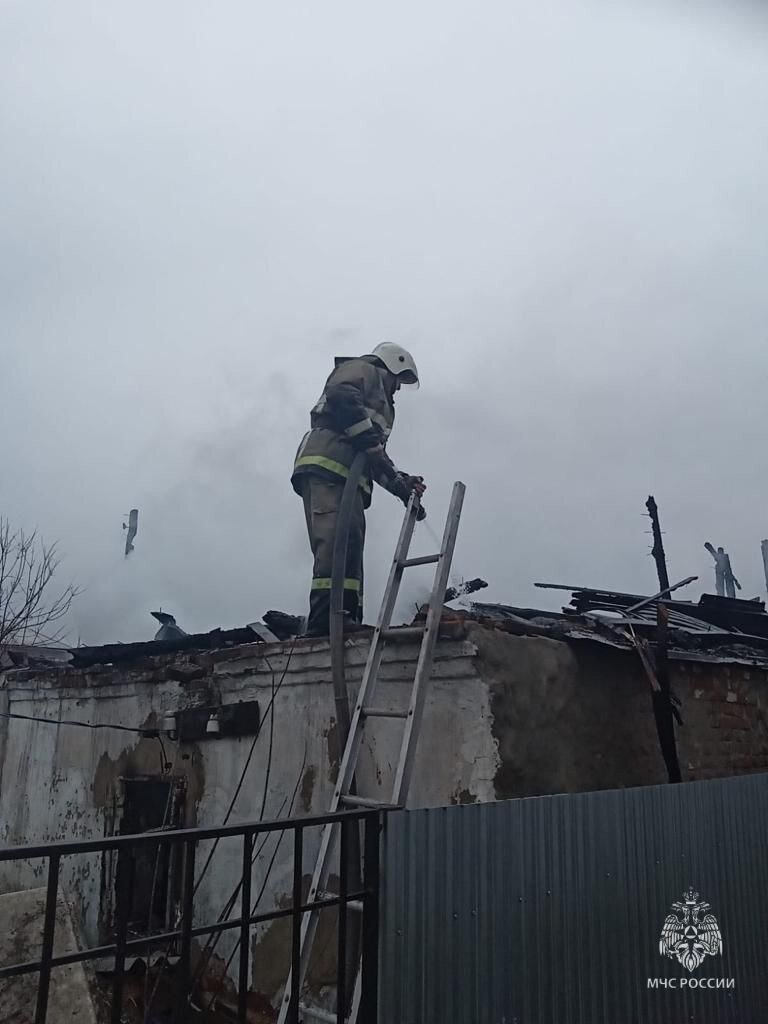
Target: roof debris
169, 630
726, 583
283, 625
714, 629
466, 587
132, 526
82, 657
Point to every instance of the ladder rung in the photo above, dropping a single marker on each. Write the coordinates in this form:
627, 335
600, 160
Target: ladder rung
403, 633
420, 560
384, 713
423, 634
322, 1015
362, 801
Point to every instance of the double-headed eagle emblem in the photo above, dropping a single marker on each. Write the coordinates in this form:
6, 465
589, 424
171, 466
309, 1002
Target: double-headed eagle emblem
687, 936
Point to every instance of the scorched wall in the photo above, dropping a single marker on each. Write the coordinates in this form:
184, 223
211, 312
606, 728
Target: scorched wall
505, 716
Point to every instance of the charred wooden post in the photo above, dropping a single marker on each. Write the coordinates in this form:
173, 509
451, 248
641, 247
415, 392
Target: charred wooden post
657, 550
726, 583
663, 699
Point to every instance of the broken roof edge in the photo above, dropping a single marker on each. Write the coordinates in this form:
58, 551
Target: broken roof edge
713, 644
83, 657
721, 646
304, 661
252, 635
13, 656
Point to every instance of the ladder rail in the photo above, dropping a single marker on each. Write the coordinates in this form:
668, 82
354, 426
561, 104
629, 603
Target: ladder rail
375, 654
427, 651
412, 717
346, 773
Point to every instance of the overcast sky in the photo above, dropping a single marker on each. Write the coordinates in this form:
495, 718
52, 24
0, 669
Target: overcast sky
560, 207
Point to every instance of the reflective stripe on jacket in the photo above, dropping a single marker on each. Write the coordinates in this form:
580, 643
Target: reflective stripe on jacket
356, 411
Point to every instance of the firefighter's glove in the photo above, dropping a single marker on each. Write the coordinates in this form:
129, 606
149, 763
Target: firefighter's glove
421, 514
404, 485
409, 484
416, 483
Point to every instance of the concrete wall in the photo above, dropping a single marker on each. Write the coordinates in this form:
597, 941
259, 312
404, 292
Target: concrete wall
62, 782
21, 938
506, 716
577, 717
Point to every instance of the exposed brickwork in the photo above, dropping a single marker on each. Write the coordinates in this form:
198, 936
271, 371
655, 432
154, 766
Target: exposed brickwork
572, 717
725, 708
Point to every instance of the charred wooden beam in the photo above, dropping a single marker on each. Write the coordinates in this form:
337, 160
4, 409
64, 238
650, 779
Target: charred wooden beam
657, 550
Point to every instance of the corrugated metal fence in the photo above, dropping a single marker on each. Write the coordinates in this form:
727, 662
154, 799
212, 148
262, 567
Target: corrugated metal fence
549, 910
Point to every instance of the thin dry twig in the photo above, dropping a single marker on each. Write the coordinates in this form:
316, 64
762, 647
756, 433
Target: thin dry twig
29, 607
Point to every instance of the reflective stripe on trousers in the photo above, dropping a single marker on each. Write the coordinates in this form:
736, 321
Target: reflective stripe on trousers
322, 500
324, 583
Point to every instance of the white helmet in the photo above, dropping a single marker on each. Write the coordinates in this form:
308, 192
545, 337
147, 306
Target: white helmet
398, 361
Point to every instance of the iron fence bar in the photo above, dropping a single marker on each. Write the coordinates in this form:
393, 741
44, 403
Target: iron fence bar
199, 835
182, 995
125, 876
298, 852
341, 965
49, 926
368, 894
162, 938
245, 930
369, 996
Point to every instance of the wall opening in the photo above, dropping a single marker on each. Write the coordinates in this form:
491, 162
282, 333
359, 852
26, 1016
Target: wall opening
153, 803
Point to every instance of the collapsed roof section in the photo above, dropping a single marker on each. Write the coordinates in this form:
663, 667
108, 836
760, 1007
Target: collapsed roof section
714, 629
730, 614
82, 657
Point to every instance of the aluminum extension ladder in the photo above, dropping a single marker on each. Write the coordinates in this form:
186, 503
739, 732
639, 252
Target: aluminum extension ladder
365, 710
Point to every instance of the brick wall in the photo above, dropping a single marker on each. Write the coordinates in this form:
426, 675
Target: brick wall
572, 717
725, 710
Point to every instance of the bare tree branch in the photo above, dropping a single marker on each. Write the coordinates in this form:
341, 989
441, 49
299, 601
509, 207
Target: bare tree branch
28, 607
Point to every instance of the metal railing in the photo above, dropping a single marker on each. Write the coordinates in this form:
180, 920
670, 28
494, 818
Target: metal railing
366, 902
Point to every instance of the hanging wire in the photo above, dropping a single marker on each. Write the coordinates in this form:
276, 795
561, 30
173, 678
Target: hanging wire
147, 732
255, 906
209, 858
159, 850
456, 578
212, 941
168, 767
275, 691
261, 814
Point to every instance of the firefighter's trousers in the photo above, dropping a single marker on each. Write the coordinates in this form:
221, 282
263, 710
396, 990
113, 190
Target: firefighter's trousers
322, 501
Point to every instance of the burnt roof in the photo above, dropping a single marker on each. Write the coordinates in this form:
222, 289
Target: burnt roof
82, 657
713, 629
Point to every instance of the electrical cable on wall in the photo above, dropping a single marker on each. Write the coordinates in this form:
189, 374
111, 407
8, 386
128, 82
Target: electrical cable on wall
230, 903
211, 942
156, 869
152, 733
146, 732
269, 710
267, 876
271, 742
239, 786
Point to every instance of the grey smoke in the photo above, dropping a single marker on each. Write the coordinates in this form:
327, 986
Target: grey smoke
559, 206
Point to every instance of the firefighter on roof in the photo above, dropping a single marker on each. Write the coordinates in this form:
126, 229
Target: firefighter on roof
356, 412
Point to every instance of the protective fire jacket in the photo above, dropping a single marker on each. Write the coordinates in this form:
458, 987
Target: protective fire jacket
356, 411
